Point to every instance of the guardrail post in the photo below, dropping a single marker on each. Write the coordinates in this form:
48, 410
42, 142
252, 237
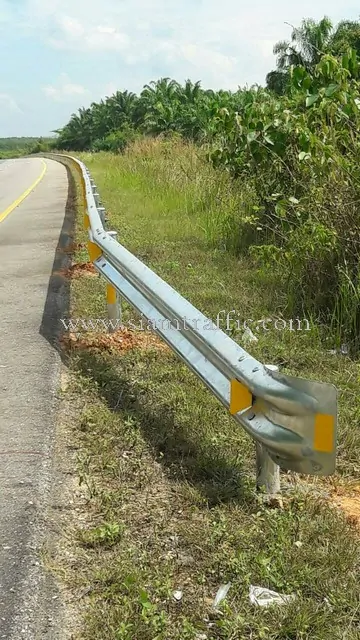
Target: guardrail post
267, 471
114, 308
113, 302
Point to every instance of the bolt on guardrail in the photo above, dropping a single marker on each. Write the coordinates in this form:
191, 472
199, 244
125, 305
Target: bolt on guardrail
292, 421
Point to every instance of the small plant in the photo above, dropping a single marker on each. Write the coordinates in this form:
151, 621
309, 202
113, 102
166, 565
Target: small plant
106, 535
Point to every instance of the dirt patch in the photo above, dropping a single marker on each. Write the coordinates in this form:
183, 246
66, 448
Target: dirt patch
78, 270
119, 341
348, 499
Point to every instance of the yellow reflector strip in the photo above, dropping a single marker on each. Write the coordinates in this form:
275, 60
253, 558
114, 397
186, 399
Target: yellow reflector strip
324, 433
94, 251
240, 397
86, 221
110, 294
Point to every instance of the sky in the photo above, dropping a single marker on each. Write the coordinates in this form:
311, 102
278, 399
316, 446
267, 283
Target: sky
59, 55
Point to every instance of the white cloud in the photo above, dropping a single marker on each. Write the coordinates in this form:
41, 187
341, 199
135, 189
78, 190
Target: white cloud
73, 28
265, 47
109, 30
226, 43
110, 89
74, 35
7, 102
64, 89
197, 57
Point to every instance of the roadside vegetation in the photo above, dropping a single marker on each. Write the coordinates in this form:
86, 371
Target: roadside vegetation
17, 147
292, 150
245, 201
167, 511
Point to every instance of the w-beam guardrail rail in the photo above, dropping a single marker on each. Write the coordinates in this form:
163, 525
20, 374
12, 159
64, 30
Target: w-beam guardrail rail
292, 421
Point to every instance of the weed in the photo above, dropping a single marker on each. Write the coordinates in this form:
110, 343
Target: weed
108, 534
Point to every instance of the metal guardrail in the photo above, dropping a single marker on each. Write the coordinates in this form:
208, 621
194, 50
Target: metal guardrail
292, 421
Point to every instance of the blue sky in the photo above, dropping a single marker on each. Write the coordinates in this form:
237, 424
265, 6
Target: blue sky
59, 55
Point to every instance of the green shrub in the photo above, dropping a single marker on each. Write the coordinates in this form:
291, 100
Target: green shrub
116, 142
301, 154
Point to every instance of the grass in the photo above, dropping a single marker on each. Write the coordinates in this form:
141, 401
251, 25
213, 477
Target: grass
167, 475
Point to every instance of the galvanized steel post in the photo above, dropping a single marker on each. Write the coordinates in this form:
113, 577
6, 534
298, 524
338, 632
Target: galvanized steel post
267, 471
113, 302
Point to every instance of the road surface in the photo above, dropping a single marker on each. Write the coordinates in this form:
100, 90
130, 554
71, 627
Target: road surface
33, 197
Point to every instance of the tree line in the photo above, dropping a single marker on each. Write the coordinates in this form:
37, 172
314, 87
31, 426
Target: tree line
165, 106
17, 147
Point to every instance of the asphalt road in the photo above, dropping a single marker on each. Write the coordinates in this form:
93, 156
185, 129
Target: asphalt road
29, 380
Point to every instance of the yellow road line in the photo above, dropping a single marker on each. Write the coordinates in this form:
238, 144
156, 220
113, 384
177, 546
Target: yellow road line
15, 204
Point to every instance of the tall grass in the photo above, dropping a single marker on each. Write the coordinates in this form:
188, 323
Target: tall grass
207, 198
309, 248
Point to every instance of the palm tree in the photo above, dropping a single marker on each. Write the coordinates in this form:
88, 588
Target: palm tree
308, 43
157, 106
191, 92
165, 88
121, 108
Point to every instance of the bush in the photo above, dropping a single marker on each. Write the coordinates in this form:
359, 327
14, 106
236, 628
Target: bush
41, 146
301, 153
116, 142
